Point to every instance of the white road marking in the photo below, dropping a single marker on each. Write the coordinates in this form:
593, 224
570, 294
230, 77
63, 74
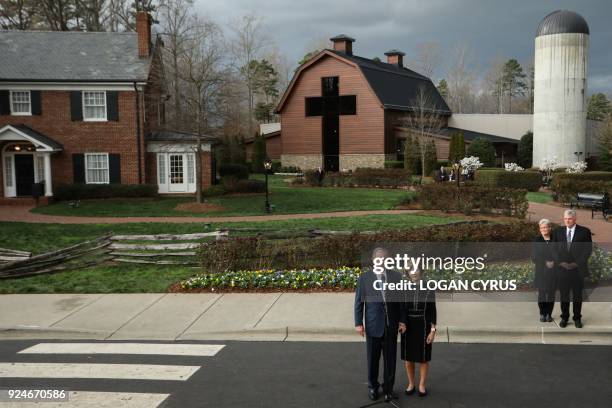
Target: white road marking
86, 399
111, 371
201, 350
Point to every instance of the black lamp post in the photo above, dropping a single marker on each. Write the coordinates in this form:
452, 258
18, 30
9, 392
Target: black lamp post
267, 167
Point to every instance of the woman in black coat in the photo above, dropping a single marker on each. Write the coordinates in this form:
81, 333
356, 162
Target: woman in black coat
543, 256
418, 327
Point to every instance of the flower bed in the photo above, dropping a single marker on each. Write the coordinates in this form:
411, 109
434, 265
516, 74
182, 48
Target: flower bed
343, 278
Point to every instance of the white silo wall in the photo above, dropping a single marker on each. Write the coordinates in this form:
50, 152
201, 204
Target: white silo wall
559, 120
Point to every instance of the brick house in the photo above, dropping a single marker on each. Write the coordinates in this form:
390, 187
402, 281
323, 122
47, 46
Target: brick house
88, 107
341, 111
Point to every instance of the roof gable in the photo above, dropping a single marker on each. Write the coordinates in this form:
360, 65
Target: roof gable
64, 56
395, 87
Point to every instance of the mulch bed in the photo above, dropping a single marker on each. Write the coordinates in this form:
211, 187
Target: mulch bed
199, 207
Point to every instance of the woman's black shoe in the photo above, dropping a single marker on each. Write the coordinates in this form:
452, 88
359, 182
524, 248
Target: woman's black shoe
422, 394
542, 318
409, 392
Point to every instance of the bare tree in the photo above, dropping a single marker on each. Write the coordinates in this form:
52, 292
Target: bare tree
200, 70
247, 45
427, 59
18, 14
424, 121
460, 80
176, 28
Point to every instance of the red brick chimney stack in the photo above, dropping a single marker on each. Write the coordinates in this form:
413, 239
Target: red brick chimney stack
343, 43
143, 28
395, 57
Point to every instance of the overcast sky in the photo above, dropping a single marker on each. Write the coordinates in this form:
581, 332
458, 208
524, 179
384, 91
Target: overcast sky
491, 28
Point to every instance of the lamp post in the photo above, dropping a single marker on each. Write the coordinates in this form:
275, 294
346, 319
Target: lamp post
267, 167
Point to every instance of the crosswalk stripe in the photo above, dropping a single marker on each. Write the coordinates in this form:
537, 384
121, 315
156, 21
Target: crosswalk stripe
110, 371
86, 399
202, 350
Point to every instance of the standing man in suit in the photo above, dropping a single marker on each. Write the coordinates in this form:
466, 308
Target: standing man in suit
377, 317
574, 247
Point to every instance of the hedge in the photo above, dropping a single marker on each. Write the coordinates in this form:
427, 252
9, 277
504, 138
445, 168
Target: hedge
394, 164
472, 197
91, 191
247, 253
361, 177
237, 170
528, 180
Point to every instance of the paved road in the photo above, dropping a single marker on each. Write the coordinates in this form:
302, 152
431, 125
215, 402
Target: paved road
298, 374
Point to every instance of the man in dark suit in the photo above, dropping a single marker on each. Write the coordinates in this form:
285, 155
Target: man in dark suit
574, 247
379, 311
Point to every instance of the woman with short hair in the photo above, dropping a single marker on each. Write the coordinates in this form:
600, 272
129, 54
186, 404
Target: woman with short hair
543, 256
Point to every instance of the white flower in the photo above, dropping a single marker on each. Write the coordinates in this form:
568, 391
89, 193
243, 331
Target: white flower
513, 167
549, 164
576, 167
471, 163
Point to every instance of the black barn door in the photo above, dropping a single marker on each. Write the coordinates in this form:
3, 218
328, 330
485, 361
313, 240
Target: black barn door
331, 142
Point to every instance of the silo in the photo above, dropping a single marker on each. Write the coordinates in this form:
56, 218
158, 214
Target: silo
560, 86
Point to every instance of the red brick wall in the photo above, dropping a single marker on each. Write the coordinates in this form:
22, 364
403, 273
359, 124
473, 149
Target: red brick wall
80, 137
361, 133
273, 148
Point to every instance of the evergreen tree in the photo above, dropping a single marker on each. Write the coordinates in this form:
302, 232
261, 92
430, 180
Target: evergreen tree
443, 88
484, 150
598, 107
525, 151
513, 80
259, 154
604, 159
431, 158
456, 149
412, 155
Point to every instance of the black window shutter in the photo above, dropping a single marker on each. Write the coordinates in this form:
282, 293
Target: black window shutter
5, 102
76, 105
112, 105
114, 168
36, 102
78, 167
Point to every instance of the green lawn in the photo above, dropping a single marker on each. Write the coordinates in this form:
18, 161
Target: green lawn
131, 278
539, 197
284, 198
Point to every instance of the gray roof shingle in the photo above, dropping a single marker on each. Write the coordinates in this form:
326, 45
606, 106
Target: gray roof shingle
71, 56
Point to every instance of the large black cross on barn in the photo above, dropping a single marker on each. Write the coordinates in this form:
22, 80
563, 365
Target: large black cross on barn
330, 106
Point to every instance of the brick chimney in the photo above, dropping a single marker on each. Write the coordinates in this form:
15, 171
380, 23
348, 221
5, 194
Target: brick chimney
143, 28
343, 43
395, 57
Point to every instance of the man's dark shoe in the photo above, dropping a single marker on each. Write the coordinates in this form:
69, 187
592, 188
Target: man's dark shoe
578, 324
549, 318
563, 323
373, 394
542, 318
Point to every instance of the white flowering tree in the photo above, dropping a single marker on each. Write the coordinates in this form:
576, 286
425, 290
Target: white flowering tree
513, 167
548, 167
470, 164
576, 167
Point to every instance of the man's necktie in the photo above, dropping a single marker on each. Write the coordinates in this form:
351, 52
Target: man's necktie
569, 238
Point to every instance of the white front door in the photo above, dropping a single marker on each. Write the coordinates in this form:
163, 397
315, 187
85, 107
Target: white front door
176, 173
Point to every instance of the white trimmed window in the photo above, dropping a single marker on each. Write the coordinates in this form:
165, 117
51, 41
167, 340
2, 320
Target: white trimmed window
190, 168
8, 171
96, 168
161, 168
21, 103
94, 105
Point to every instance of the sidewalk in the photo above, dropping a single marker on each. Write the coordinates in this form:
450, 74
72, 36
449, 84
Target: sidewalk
273, 317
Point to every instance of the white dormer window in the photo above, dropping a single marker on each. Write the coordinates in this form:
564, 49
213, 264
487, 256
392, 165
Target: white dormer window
94, 106
21, 103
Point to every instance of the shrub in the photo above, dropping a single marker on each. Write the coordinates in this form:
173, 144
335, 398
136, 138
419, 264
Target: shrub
525, 150
85, 191
249, 186
313, 178
214, 191
289, 169
259, 154
528, 180
456, 149
412, 155
240, 171
472, 197
431, 158
483, 149
394, 164
369, 177
567, 185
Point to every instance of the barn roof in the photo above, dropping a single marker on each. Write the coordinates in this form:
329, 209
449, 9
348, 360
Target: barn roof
396, 87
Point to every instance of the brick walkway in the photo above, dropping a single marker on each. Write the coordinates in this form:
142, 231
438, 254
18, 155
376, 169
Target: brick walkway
23, 214
602, 231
